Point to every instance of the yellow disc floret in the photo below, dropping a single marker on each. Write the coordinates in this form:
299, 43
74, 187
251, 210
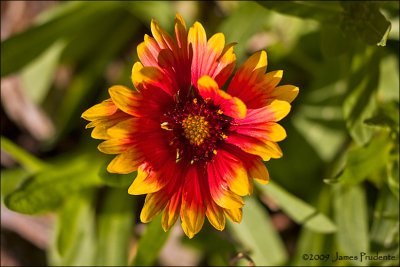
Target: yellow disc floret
195, 129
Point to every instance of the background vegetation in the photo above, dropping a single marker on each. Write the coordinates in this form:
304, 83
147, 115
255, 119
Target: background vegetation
336, 189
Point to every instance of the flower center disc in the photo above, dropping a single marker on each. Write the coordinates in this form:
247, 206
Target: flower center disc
195, 129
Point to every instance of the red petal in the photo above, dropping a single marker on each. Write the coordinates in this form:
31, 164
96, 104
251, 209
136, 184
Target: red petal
147, 181
192, 208
210, 57
221, 172
259, 123
255, 167
171, 211
148, 51
266, 150
153, 205
230, 106
257, 89
149, 77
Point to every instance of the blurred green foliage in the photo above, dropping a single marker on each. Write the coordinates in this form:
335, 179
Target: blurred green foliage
338, 181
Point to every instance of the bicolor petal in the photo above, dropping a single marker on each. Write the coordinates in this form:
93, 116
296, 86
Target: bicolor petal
215, 215
221, 173
126, 162
153, 205
285, 92
234, 215
145, 77
171, 211
230, 106
266, 150
146, 181
104, 109
192, 207
125, 99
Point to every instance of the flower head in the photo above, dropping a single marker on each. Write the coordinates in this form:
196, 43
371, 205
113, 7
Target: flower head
196, 147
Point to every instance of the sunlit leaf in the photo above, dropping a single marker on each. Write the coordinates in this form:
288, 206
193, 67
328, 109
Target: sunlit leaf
11, 179
360, 103
389, 79
258, 236
27, 160
46, 189
150, 243
75, 232
386, 116
350, 209
38, 75
115, 225
363, 161
298, 210
393, 175
385, 221
312, 242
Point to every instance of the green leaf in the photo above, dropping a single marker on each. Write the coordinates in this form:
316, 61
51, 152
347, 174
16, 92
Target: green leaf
151, 243
115, 225
389, 80
350, 209
321, 109
393, 175
20, 49
74, 243
258, 235
312, 242
364, 161
291, 147
216, 246
385, 221
298, 210
318, 10
84, 84
47, 189
333, 41
38, 75
86, 51
307, 118
28, 161
386, 116
366, 21
362, 87
11, 179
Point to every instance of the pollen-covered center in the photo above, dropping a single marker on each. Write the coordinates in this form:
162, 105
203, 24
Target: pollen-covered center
195, 129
